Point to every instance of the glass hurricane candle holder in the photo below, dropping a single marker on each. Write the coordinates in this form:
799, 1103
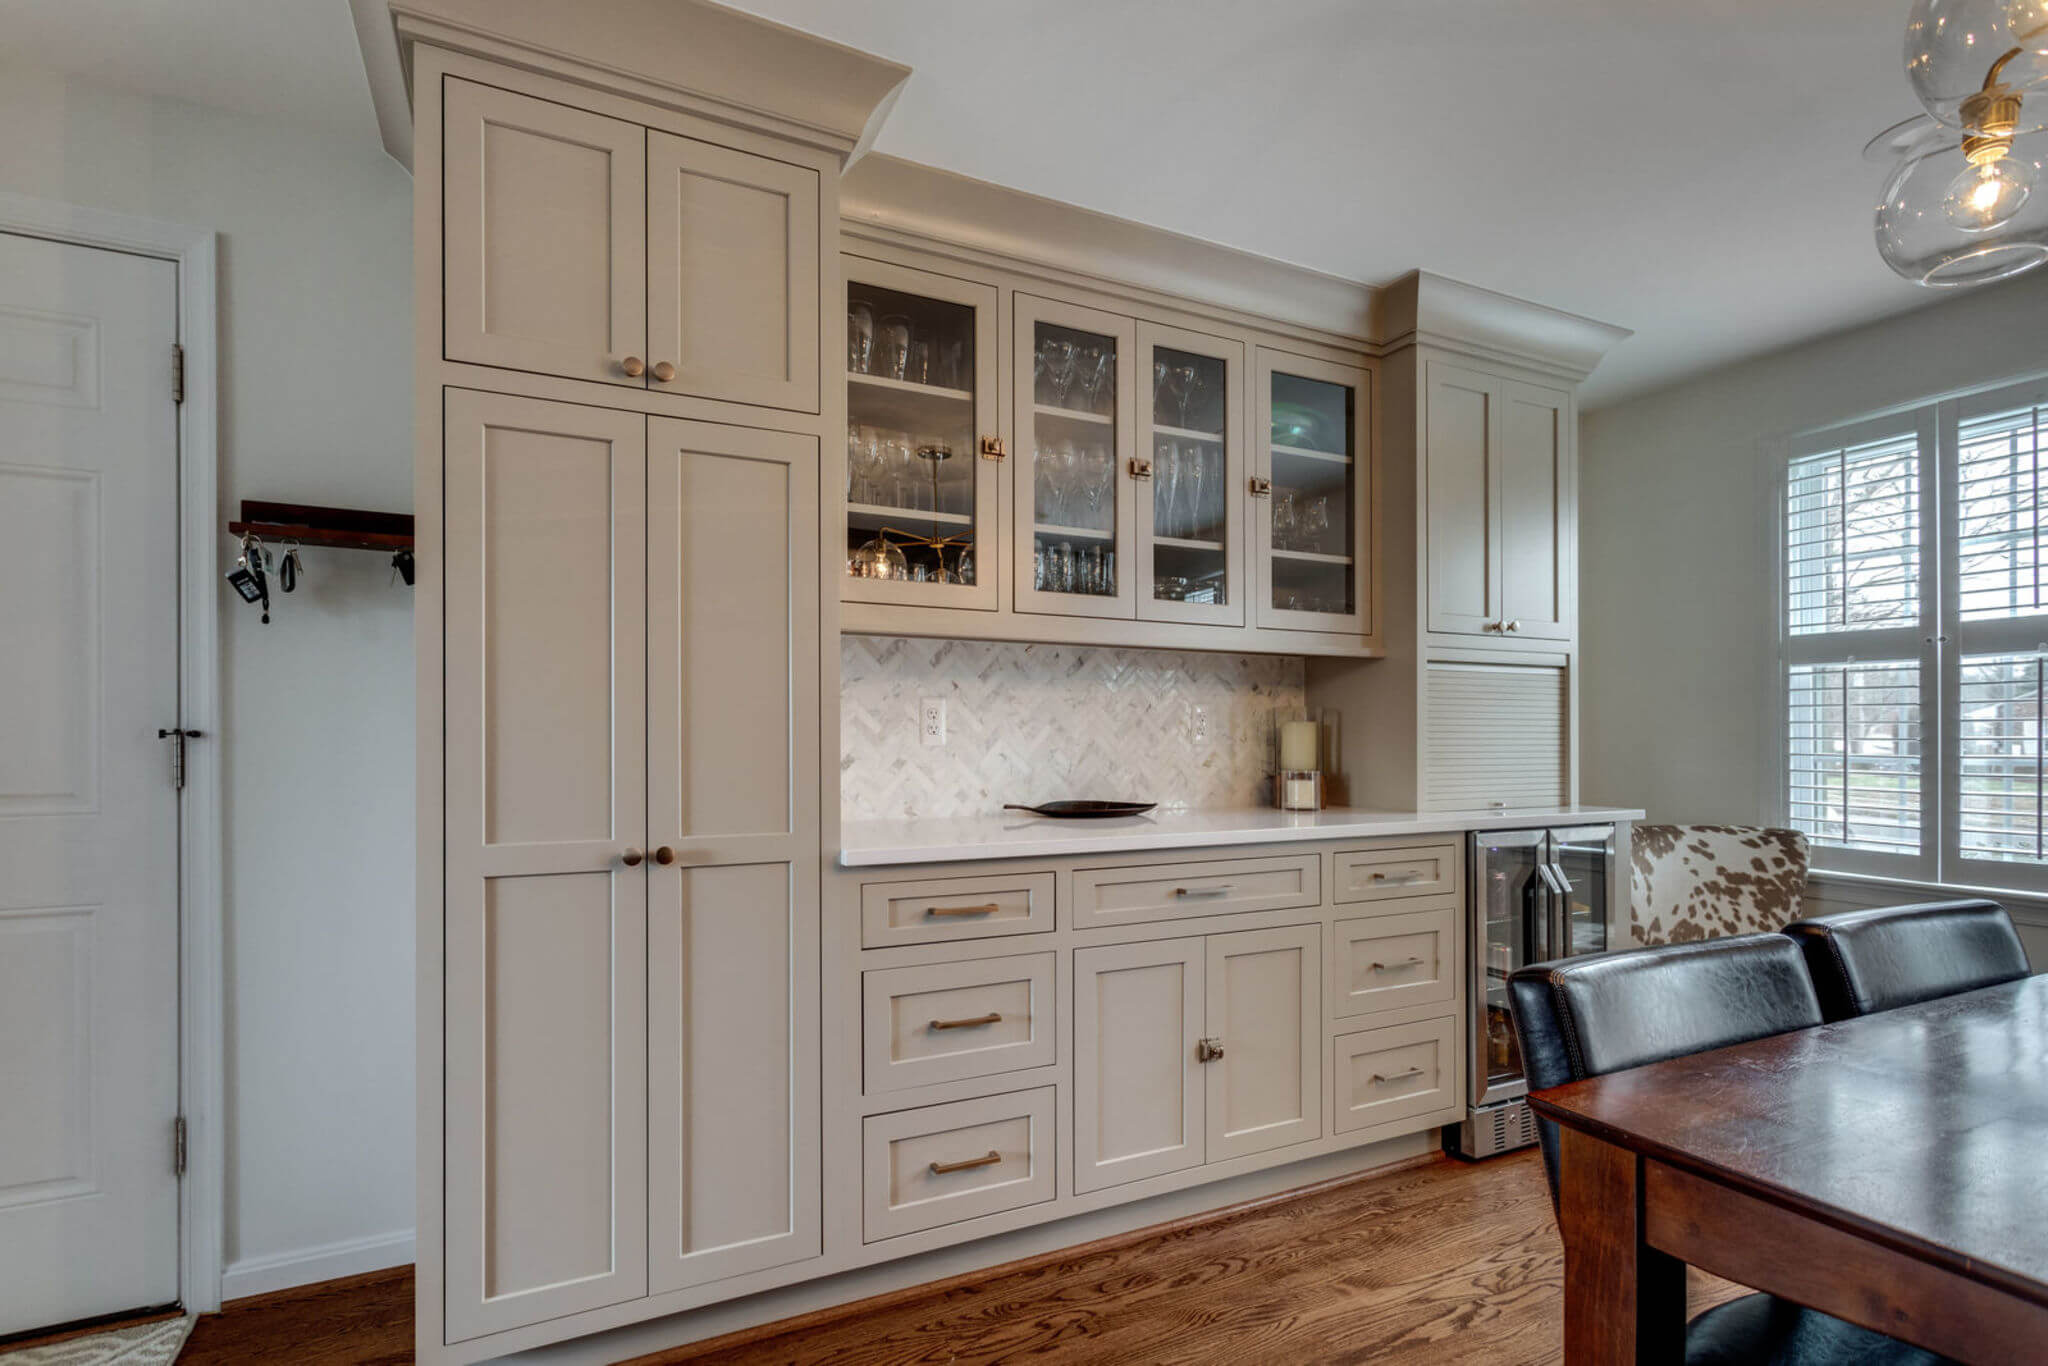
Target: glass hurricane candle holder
1298, 790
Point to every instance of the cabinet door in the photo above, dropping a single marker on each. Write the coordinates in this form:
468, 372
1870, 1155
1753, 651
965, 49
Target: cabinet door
732, 782
1537, 553
546, 924
732, 275
1265, 1008
1191, 522
1461, 415
1076, 492
920, 401
1313, 522
1137, 1081
545, 236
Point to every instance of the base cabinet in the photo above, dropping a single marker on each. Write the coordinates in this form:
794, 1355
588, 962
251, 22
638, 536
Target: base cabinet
1197, 1050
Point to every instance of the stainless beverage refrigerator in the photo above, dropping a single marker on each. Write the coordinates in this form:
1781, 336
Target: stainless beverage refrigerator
1535, 895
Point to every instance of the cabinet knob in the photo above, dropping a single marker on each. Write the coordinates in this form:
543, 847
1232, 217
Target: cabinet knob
1262, 488
1492, 626
663, 371
1140, 469
1208, 1050
664, 856
1512, 626
633, 366
992, 448
632, 857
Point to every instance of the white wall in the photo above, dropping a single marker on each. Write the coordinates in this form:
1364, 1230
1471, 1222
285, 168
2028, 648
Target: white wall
315, 295
1676, 565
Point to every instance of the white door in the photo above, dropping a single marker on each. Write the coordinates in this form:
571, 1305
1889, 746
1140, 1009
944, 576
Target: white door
1137, 1073
1536, 512
1265, 1010
1460, 446
88, 808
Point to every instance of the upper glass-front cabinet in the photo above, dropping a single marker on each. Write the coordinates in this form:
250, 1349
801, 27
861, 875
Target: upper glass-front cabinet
1312, 483
1191, 524
1076, 511
921, 501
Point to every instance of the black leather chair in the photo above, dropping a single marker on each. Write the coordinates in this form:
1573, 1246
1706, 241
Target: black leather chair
1584, 1017
1866, 961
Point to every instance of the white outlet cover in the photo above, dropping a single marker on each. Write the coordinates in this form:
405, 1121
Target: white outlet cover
931, 721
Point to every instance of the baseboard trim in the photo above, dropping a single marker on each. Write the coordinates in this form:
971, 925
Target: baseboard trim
891, 1299
305, 1266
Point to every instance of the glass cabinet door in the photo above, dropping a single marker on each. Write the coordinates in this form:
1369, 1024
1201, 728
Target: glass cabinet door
921, 501
1585, 862
1512, 908
1315, 505
1074, 487
1191, 521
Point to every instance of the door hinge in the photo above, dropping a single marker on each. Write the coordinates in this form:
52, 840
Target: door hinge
177, 373
178, 1145
177, 737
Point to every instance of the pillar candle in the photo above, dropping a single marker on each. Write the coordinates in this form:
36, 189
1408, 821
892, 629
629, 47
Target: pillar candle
1299, 744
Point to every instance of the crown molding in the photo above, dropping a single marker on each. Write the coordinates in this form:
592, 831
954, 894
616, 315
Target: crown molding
690, 55
1435, 310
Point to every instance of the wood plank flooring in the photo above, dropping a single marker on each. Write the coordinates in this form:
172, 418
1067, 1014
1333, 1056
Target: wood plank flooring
1441, 1263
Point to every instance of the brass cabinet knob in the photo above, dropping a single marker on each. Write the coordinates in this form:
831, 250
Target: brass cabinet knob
1140, 469
631, 858
663, 371
633, 366
664, 856
1262, 488
992, 448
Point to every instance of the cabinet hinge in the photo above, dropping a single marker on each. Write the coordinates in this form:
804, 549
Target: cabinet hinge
178, 1145
177, 737
177, 373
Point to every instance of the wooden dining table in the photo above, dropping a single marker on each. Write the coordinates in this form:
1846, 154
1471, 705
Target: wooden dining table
1890, 1170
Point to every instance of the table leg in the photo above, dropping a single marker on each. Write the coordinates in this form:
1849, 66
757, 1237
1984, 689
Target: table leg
1624, 1301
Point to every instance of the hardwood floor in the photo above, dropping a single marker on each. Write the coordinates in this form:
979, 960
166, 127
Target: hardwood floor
1440, 1263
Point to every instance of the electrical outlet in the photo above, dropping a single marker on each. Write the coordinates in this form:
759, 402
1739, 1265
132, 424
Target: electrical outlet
1199, 726
931, 720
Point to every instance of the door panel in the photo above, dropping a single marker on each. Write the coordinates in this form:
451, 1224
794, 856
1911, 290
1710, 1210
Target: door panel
1460, 410
1191, 518
1511, 929
1535, 512
732, 274
88, 812
1137, 1083
1265, 1006
1313, 529
545, 219
546, 924
1584, 859
732, 742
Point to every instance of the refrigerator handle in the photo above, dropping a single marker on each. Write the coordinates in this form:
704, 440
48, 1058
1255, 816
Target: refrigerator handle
1561, 915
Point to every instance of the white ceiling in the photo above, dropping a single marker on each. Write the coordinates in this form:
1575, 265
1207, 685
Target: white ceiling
1690, 170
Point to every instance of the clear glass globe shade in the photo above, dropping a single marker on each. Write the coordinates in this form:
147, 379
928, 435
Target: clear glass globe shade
2028, 20
1985, 197
1918, 238
1951, 46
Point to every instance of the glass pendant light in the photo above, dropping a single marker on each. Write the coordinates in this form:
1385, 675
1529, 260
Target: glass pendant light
1964, 210
2028, 20
1971, 69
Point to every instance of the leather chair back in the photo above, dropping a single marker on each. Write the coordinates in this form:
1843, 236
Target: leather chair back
1892, 956
1584, 1017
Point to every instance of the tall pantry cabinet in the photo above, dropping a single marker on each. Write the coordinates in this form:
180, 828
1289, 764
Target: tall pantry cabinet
623, 458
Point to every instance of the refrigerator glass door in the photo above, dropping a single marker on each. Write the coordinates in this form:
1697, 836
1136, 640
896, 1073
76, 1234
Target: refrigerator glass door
1585, 858
1512, 907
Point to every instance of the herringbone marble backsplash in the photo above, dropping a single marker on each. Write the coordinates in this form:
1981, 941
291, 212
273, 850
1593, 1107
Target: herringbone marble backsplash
1035, 723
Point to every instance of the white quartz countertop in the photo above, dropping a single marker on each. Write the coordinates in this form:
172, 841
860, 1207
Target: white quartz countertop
1017, 834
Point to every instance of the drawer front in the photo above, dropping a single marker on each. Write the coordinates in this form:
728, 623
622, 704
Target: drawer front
1388, 874
1394, 1073
1126, 896
954, 908
946, 1021
945, 1163
1380, 962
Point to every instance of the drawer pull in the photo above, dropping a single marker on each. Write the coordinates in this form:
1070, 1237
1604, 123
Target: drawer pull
993, 1017
1402, 881
1195, 893
986, 908
1404, 963
988, 1159
1378, 1080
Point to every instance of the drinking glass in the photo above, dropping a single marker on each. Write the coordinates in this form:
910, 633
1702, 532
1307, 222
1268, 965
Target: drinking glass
1166, 479
1058, 357
950, 374
1099, 474
1066, 474
1195, 480
918, 367
1096, 364
1063, 567
1189, 389
892, 346
1092, 576
860, 337
1284, 522
1315, 524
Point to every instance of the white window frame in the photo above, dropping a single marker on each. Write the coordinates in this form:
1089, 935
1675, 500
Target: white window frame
1938, 640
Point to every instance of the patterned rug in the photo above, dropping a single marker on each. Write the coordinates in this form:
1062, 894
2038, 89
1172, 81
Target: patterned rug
142, 1344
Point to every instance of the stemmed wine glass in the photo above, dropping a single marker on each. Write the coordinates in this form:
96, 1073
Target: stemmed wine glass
1099, 476
1195, 477
1057, 359
1097, 363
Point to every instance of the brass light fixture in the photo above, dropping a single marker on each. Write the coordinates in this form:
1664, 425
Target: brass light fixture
883, 558
1964, 201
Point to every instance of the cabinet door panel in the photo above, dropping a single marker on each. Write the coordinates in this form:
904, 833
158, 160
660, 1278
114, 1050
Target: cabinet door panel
1191, 516
546, 927
1137, 1084
1313, 530
545, 215
1461, 410
1265, 1006
732, 742
1535, 512
732, 274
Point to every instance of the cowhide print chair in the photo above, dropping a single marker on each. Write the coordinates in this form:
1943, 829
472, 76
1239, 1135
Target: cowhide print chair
1691, 882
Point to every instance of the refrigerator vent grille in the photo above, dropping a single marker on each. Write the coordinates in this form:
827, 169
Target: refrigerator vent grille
1499, 1129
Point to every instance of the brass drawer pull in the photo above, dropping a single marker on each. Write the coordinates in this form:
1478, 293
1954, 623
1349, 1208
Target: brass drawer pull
1404, 963
993, 1017
1403, 880
1379, 1080
988, 1159
1192, 893
986, 908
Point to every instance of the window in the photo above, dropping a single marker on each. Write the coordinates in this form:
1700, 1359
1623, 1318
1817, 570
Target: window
1914, 635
